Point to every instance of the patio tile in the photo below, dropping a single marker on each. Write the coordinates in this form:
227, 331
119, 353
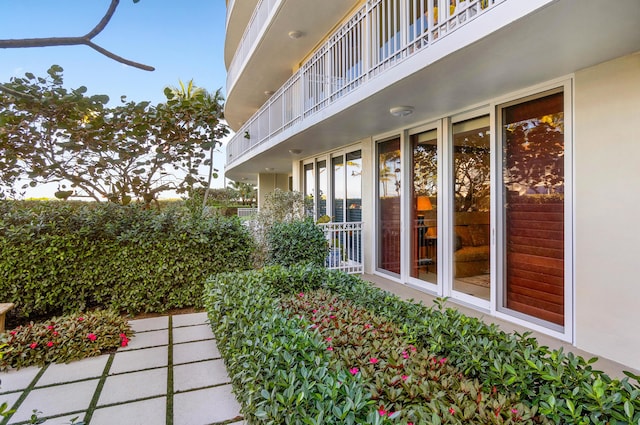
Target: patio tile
17, 379
147, 339
145, 412
133, 386
189, 319
56, 400
195, 351
127, 361
205, 406
150, 324
199, 375
10, 399
192, 333
59, 373
66, 419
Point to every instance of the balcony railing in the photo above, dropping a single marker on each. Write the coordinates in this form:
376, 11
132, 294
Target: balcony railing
379, 35
256, 24
345, 246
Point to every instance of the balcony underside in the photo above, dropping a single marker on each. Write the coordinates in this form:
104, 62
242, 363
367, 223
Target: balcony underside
555, 40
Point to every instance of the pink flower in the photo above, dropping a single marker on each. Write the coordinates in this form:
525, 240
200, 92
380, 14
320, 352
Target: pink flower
33, 345
381, 411
409, 423
514, 411
413, 348
54, 333
354, 370
367, 326
92, 337
124, 342
373, 360
332, 317
443, 360
80, 319
452, 410
405, 377
13, 333
330, 348
328, 338
314, 310
50, 344
301, 294
50, 327
405, 355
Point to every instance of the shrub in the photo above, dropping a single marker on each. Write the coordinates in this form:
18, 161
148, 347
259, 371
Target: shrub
59, 257
63, 339
296, 241
563, 387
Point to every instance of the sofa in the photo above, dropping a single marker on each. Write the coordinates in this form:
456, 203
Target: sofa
472, 236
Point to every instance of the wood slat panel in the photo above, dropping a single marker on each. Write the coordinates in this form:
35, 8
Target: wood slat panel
551, 243
557, 318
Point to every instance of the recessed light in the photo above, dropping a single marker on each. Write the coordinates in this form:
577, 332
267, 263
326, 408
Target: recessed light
269, 169
295, 151
295, 34
401, 111
268, 92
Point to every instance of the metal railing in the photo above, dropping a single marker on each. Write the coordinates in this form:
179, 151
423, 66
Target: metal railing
345, 246
378, 36
247, 212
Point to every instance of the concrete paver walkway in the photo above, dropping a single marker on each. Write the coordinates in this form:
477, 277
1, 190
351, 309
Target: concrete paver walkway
171, 373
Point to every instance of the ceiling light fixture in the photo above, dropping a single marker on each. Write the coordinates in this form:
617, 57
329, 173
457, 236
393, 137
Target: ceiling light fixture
295, 151
401, 111
295, 34
268, 92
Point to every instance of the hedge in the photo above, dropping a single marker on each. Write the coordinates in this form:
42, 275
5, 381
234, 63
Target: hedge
58, 257
563, 387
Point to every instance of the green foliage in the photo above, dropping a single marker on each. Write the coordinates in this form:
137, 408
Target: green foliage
406, 381
63, 339
296, 241
58, 257
280, 372
53, 134
561, 386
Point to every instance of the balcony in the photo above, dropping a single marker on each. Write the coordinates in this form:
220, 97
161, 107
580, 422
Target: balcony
433, 55
379, 35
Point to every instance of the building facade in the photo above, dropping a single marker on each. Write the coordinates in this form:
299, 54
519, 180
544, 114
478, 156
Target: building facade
485, 146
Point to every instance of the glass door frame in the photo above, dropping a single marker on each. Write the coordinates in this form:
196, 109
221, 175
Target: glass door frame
499, 308
435, 289
448, 221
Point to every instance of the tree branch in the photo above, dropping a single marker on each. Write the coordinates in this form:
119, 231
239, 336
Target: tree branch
74, 41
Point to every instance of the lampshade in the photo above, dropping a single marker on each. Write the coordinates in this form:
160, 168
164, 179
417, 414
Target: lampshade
423, 203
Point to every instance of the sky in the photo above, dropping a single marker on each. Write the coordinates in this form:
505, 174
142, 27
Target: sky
183, 40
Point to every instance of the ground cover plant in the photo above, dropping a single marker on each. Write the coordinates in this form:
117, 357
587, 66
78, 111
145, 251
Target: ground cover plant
62, 257
281, 365
63, 339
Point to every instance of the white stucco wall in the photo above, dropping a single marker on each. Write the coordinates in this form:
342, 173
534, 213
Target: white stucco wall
268, 183
607, 218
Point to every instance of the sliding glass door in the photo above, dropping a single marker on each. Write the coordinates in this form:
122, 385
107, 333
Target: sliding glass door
534, 203
389, 191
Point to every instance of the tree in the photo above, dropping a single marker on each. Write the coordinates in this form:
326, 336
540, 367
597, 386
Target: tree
246, 191
135, 150
79, 40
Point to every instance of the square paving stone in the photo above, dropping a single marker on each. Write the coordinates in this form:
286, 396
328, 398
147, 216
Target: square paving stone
189, 319
59, 373
199, 375
210, 405
192, 333
17, 379
195, 351
127, 361
145, 412
150, 324
133, 386
10, 399
57, 400
147, 339
64, 420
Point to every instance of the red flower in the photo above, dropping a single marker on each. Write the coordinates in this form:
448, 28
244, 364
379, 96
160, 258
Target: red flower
125, 341
92, 337
301, 294
33, 345
13, 333
54, 333
405, 355
381, 411
373, 360
50, 344
452, 410
50, 327
80, 319
330, 348
354, 370
405, 377
328, 338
